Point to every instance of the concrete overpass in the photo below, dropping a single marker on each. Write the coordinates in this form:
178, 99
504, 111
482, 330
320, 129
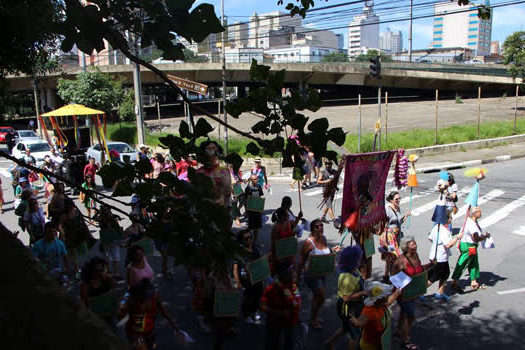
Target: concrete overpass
451, 77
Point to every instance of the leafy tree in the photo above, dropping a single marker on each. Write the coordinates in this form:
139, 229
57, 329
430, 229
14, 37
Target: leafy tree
151, 56
191, 57
335, 57
126, 109
514, 54
93, 89
373, 53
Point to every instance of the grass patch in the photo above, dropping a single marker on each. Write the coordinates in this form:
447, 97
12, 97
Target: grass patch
425, 137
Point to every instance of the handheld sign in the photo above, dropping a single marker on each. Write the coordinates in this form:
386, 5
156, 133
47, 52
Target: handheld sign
320, 265
255, 204
259, 269
237, 189
226, 303
386, 338
417, 287
105, 304
369, 246
285, 247
147, 244
109, 236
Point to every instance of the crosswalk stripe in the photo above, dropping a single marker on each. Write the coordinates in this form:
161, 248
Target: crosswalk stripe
423, 193
313, 193
482, 200
502, 213
431, 205
520, 231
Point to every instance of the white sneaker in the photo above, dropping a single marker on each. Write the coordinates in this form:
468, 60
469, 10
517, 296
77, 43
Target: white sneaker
249, 320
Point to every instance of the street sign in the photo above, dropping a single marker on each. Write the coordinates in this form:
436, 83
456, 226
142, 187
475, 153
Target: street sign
189, 85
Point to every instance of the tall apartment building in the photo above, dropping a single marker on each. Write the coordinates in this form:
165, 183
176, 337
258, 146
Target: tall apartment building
238, 35
494, 47
261, 25
363, 32
391, 42
461, 29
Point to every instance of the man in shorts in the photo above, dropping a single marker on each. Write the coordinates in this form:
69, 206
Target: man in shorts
327, 176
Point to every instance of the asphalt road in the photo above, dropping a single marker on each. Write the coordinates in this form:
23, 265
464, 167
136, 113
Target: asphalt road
489, 319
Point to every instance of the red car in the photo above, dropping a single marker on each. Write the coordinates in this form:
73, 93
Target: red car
3, 131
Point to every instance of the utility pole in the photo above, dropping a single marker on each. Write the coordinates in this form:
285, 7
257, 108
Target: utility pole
137, 87
83, 62
223, 49
375, 72
37, 107
410, 34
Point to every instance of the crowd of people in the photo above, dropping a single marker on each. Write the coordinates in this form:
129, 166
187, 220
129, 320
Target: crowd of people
59, 234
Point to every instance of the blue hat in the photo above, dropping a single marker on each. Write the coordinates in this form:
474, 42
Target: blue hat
473, 196
440, 215
349, 258
22, 179
444, 175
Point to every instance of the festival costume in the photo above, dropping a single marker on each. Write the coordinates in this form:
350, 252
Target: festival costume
469, 252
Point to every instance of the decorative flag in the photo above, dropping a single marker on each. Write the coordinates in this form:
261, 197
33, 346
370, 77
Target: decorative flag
412, 177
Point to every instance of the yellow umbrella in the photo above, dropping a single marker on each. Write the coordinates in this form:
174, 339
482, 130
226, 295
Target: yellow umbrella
72, 109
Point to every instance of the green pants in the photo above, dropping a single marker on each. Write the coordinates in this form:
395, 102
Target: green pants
467, 261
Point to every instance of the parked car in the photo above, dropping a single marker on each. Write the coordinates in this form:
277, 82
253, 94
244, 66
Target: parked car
473, 62
26, 135
3, 131
39, 149
126, 152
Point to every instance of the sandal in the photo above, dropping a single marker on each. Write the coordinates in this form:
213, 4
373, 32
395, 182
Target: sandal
478, 286
457, 289
407, 344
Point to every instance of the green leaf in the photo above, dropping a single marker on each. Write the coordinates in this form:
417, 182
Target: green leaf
318, 125
253, 148
298, 173
143, 167
124, 188
202, 128
259, 72
337, 136
203, 22
276, 80
175, 6
298, 121
276, 128
234, 159
184, 130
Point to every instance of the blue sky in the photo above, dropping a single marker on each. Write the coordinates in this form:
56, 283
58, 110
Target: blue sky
506, 20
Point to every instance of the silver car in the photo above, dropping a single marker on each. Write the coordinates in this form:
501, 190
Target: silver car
26, 135
126, 152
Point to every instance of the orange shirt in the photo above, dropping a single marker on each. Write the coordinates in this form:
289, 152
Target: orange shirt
375, 324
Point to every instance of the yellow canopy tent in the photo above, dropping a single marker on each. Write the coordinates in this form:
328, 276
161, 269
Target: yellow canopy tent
75, 110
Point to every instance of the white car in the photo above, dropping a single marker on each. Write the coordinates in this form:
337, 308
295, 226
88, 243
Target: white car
39, 149
126, 152
26, 135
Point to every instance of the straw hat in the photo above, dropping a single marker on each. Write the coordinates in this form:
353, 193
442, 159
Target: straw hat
375, 291
257, 160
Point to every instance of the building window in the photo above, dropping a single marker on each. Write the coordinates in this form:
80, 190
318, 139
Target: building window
438, 18
438, 25
438, 45
473, 29
438, 32
473, 15
472, 43
472, 36
473, 22
438, 39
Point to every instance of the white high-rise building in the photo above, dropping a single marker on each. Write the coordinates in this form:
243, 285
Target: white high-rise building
261, 25
391, 42
238, 35
363, 33
462, 29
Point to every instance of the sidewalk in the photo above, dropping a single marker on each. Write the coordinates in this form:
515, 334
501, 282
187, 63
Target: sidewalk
438, 162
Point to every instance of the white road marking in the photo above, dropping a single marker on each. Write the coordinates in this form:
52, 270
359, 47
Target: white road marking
431, 205
520, 231
424, 193
512, 291
502, 213
313, 193
482, 200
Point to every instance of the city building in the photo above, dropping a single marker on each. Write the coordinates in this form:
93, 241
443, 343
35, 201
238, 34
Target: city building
261, 25
363, 32
244, 54
454, 28
238, 35
494, 47
391, 42
437, 55
340, 41
299, 53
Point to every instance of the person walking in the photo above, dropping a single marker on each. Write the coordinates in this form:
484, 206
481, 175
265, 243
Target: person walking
90, 170
88, 198
254, 189
138, 268
316, 244
34, 221
280, 230
95, 282
281, 301
251, 292
391, 238
410, 264
350, 295
468, 248
51, 251
296, 221
327, 176
260, 171
442, 240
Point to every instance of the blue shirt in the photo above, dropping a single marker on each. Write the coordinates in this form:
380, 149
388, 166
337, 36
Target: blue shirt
50, 253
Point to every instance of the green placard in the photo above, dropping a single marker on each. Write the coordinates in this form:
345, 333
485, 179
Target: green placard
259, 269
386, 338
147, 244
285, 247
255, 204
320, 265
369, 246
237, 189
105, 304
109, 236
416, 287
226, 303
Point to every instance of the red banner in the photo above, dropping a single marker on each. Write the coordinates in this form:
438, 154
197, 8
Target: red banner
364, 190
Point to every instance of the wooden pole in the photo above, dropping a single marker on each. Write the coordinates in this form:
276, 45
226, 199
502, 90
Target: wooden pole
516, 111
299, 189
219, 115
359, 124
386, 116
479, 108
436, 118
